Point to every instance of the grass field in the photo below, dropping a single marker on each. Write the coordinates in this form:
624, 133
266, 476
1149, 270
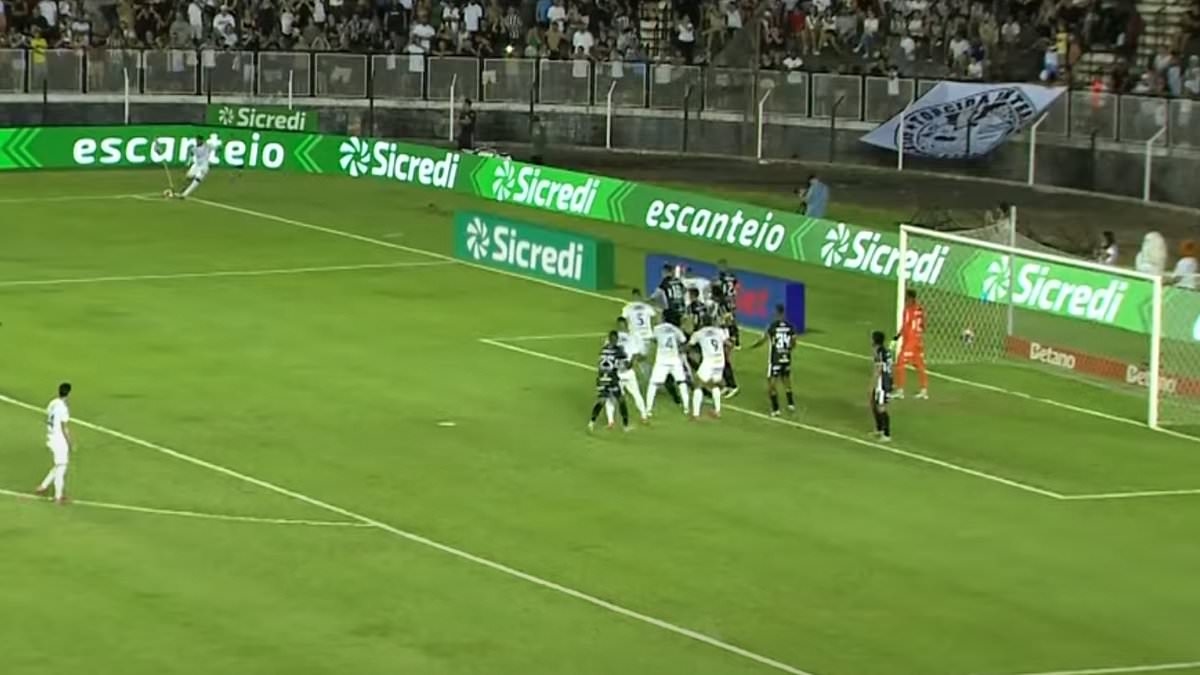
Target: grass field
310, 443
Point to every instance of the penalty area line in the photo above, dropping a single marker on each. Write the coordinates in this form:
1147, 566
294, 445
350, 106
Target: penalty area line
71, 198
260, 520
415, 538
820, 430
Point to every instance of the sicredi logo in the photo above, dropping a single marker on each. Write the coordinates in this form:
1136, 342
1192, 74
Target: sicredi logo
138, 150
1048, 288
253, 118
385, 159
508, 246
865, 251
528, 186
733, 228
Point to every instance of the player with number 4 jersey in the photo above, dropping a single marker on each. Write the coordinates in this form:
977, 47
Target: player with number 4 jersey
912, 346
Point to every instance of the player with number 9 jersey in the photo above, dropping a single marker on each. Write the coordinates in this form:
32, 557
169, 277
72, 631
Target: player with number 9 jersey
711, 341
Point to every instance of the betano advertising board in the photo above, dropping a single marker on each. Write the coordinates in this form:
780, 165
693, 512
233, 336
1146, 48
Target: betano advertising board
1045, 288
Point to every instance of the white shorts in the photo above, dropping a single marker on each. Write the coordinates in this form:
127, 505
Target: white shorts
711, 370
197, 172
664, 369
628, 379
62, 454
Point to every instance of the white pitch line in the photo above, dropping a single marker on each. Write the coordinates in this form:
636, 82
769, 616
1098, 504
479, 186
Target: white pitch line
1136, 494
70, 198
218, 274
431, 543
1149, 668
563, 336
820, 430
194, 514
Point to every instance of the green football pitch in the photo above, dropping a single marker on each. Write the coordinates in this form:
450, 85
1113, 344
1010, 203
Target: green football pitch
309, 442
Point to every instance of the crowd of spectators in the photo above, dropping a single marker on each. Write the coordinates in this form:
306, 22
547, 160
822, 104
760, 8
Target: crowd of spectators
973, 39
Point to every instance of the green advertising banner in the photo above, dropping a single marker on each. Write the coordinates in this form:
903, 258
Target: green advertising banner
530, 250
269, 117
1056, 289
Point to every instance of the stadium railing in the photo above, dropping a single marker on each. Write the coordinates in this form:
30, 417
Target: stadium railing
851, 98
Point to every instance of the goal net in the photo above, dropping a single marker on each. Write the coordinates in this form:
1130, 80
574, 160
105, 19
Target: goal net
1111, 330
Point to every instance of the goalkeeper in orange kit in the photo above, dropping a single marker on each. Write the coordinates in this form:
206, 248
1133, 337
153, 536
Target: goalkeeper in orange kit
912, 346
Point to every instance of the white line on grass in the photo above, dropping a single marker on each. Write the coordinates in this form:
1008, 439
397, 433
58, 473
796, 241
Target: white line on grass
70, 198
228, 273
819, 430
1149, 668
563, 336
425, 541
609, 298
1135, 494
194, 514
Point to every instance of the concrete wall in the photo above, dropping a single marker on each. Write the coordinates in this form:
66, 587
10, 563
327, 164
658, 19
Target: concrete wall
1075, 164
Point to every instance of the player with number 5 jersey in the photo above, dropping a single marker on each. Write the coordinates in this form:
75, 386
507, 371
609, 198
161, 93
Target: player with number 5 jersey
912, 346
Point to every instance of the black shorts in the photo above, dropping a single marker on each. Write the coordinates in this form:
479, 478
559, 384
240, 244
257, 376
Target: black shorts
734, 334
605, 390
880, 396
780, 370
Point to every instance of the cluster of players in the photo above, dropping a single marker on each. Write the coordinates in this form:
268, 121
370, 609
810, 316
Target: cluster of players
692, 342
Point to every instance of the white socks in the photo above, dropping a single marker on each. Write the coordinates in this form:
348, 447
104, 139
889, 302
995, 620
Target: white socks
638, 401
609, 408
191, 188
716, 394
650, 394
697, 399
57, 477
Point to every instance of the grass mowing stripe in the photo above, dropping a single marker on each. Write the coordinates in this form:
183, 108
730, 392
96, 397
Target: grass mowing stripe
1025, 487
1149, 668
260, 520
609, 298
425, 541
228, 273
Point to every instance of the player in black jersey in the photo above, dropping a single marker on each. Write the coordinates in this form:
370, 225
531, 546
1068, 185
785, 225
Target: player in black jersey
608, 383
725, 290
671, 294
697, 315
881, 386
781, 336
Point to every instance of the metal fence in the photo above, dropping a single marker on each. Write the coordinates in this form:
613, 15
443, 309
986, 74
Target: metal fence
577, 83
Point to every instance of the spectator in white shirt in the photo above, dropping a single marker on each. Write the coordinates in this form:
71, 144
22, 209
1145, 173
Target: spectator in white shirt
1049, 65
287, 21
733, 18
685, 34
959, 47
1186, 268
421, 33
1108, 253
975, 69
793, 60
557, 14
452, 17
909, 47
870, 33
1152, 259
472, 15
583, 40
223, 22
196, 20
1011, 32
49, 11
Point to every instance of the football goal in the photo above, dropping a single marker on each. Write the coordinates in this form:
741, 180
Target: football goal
1112, 329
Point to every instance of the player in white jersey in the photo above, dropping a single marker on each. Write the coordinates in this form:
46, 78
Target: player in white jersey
58, 440
692, 280
668, 363
640, 315
631, 344
202, 154
713, 342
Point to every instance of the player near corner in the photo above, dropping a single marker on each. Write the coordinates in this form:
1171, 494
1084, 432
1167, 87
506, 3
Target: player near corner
713, 343
201, 156
640, 315
912, 345
881, 386
608, 383
668, 367
781, 336
635, 350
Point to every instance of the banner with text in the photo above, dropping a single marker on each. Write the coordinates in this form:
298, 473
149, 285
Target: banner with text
963, 119
271, 117
698, 217
530, 250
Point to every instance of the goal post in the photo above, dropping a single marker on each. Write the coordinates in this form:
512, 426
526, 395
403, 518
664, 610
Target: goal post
1114, 329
